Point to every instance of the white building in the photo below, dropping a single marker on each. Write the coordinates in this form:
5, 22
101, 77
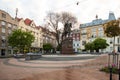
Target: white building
76, 40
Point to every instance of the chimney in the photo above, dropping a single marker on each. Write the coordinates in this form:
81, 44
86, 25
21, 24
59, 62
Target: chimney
111, 16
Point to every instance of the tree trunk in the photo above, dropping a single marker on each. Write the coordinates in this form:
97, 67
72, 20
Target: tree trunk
97, 50
114, 59
114, 45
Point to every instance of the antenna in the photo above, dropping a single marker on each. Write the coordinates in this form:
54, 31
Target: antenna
16, 12
96, 16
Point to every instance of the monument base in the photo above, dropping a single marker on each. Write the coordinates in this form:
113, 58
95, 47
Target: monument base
67, 47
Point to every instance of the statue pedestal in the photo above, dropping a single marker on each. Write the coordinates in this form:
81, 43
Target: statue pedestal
67, 46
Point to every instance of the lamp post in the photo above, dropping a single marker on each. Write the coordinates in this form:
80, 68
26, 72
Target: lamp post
119, 70
110, 72
114, 61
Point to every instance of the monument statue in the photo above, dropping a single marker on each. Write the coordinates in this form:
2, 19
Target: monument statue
67, 30
67, 41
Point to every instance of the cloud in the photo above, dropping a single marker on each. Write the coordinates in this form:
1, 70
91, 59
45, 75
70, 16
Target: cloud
37, 9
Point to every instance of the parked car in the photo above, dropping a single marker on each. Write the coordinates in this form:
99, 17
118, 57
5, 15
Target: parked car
20, 55
30, 53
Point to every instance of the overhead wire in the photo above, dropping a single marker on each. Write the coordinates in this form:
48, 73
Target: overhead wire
70, 4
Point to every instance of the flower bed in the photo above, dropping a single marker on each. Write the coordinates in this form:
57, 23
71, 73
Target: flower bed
106, 69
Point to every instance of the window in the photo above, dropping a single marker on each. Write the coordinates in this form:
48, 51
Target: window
73, 35
3, 37
9, 25
83, 42
83, 31
14, 27
3, 40
3, 30
3, 44
93, 30
73, 38
77, 44
3, 23
111, 41
100, 33
9, 31
100, 29
73, 44
84, 36
78, 39
94, 35
3, 15
111, 48
118, 40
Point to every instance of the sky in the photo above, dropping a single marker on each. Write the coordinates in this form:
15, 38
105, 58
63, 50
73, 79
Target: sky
37, 9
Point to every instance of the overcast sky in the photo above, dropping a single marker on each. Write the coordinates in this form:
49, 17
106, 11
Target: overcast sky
85, 11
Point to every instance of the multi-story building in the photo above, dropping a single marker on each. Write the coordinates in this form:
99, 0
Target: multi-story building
117, 41
76, 40
29, 25
49, 37
91, 31
7, 25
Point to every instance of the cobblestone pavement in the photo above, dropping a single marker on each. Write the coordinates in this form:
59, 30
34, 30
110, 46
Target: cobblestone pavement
16, 69
48, 61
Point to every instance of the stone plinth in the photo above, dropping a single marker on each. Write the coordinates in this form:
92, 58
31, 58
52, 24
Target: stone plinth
67, 47
32, 56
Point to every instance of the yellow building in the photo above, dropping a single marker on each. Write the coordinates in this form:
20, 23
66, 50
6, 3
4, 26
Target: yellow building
7, 25
91, 31
29, 25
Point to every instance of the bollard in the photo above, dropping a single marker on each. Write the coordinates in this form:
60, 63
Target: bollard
119, 73
110, 73
119, 70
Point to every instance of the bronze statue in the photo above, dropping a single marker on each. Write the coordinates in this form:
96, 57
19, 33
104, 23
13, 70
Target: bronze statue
67, 41
67, 29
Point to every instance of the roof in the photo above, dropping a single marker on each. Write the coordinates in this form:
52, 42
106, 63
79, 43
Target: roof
93, 23
98, 21
39, 27
27, 21
18, 19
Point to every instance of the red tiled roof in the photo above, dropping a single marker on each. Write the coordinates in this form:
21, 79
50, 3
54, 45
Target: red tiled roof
27, 21
44, 29
39, 27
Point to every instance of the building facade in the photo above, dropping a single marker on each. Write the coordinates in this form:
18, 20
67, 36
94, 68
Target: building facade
7, 25
95, 29
76, 40
29, 25
49, 37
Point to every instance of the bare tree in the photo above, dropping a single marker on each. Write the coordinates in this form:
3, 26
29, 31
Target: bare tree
68, 17
55, 18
